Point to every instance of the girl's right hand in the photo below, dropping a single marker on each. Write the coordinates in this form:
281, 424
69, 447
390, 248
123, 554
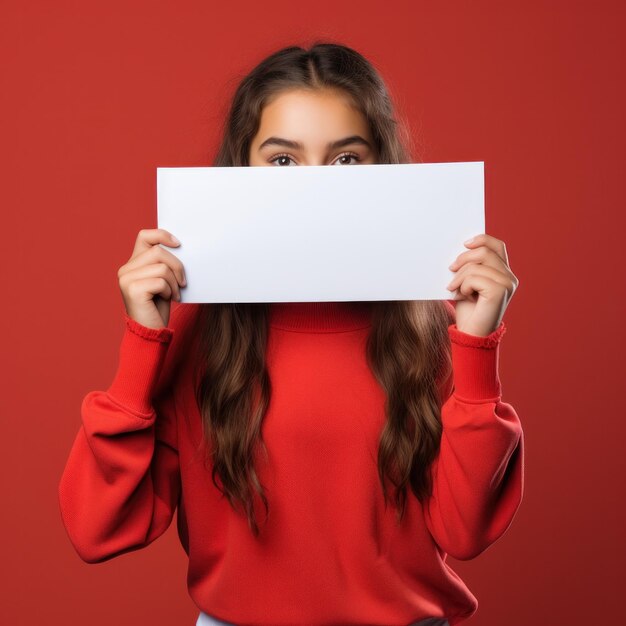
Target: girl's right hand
150, 278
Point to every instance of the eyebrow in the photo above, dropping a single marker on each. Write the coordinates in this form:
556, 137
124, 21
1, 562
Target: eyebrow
333, 145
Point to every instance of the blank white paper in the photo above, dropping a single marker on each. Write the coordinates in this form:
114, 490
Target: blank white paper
320, 233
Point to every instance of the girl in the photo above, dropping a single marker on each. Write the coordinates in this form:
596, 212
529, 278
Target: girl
324, 457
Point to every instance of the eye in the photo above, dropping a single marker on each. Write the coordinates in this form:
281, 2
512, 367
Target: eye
348, 155
280, 156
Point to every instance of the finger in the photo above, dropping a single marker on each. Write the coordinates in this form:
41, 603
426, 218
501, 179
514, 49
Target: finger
156, 254
482, 286
501, 269
147, 288
482, 272
148, 237
497, 245
153, 270
482, 255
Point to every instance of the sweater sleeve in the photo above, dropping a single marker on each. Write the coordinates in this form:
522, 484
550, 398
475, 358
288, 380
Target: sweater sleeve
478, 472
121, 482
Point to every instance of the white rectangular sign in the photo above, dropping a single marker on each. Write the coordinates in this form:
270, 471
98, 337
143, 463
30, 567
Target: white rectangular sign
320, 233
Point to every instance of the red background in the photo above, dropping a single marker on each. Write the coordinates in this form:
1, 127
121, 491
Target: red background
96, 95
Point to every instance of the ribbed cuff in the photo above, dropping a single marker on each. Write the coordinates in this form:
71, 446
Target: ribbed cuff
475, 362
141, 357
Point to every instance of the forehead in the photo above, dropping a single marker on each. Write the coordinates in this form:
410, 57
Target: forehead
309, 115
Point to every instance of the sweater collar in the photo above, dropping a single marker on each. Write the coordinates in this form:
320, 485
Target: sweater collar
320, 316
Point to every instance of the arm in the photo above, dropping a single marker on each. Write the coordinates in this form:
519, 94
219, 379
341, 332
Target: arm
121, 483
478, 473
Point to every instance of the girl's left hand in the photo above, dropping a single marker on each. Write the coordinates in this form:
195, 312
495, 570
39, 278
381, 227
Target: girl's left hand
483, 269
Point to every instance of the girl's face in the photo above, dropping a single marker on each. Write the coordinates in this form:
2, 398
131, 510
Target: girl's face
301, 127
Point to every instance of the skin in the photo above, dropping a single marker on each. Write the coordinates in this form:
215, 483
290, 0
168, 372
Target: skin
485, 285
151, 278
313, 119
482, 279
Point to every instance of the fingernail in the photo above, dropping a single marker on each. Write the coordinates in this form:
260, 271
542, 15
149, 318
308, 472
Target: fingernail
469, 240
174, 239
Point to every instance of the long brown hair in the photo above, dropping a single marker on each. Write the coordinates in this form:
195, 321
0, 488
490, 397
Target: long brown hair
408, 349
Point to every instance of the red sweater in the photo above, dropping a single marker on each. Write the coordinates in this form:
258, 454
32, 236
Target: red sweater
330, 553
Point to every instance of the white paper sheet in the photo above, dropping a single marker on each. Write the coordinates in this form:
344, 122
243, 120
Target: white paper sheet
320, 233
